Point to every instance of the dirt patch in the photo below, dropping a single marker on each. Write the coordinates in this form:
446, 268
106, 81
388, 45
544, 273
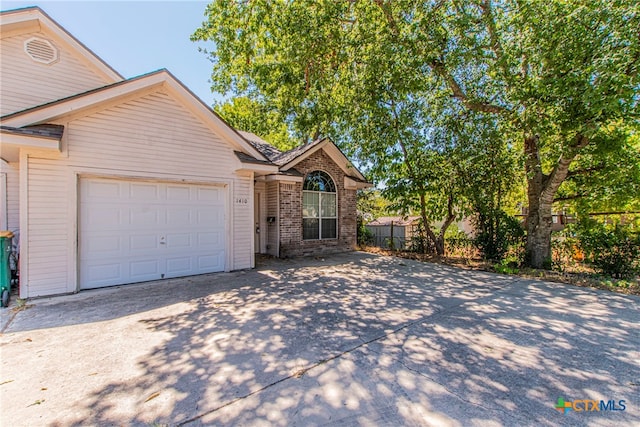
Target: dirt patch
582, 277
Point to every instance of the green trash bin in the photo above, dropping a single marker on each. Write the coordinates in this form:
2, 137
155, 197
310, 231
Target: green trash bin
5, 270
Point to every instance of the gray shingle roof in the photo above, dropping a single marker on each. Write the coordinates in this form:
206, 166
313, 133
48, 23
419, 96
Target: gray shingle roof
290, 155
266, 149
245, 158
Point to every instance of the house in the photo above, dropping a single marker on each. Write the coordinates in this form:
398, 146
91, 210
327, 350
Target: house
111, 181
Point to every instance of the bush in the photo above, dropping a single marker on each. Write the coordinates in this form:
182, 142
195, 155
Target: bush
364, 235
496, 234
613, 250
457, 243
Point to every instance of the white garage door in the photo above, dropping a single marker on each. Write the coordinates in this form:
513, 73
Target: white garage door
137, 231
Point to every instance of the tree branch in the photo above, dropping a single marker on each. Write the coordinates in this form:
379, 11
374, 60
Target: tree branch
439, 68
567, 198
496, 46
584, 171
561, 169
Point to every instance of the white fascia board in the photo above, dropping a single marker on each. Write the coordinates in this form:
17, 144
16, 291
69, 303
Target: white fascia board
352, 184
12, 143
258, 168
284, 178
78, 104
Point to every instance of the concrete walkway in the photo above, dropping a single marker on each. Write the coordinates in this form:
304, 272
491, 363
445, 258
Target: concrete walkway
355, 339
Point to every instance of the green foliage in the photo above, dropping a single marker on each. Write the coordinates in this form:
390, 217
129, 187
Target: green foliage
506, 267
613, 250
496, 233
364, 235
459, 244
371, 204
256, 117
389, 79
606, 176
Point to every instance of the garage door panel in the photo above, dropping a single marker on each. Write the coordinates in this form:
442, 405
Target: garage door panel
206, 262
102, 274
179, 193
210, 195
178, 214
138, 231
179, 266
100, 190
145, 216
209, 240
104, 245
144, 192
147, 269
104, 216
143, 242
209, 215
179, 241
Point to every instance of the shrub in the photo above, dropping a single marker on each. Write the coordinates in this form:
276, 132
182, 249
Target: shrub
364, 235
457, 243
613, 250
496, 234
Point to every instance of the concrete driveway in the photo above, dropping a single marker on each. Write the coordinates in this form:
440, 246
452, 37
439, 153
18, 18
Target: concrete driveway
355, 339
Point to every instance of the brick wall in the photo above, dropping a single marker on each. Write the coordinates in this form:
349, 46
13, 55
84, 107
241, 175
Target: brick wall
291, 243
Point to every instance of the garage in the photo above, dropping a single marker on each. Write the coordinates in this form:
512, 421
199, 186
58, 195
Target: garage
134, 231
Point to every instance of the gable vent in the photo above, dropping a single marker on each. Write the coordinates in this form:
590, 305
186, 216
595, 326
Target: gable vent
41, 50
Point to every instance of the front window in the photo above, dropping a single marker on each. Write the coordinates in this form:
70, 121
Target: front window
319, 207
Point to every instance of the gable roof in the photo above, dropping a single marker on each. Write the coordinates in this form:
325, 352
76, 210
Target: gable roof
116, 92
267, 150
288, 159
33, 19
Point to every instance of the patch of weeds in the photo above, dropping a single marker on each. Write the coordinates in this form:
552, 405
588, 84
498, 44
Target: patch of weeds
21, 304
507, 266
619, 285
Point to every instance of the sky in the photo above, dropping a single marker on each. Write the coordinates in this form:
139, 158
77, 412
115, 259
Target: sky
136, 37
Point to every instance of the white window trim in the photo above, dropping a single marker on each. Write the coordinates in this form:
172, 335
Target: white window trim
320, 217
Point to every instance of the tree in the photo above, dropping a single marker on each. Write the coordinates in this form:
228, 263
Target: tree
256, 117
556, 73
604, 180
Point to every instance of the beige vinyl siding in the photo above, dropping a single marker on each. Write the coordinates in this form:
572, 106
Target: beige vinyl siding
272, 210
152, 137
242, 224
12, 195
26, 83
48, 229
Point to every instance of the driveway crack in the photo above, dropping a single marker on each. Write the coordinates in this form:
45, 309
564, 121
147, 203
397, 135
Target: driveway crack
301, 372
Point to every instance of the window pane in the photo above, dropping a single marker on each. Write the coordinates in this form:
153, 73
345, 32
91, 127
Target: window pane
328, 205
310, 229
310, 205
329, 228
319, 181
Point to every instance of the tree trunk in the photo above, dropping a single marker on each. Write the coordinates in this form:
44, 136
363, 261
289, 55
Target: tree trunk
541, 190
440, 249
538, 248
426, 226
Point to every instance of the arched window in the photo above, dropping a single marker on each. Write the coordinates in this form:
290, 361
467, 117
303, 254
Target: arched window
319, 207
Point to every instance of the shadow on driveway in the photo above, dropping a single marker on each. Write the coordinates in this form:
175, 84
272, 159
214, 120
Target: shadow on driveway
355, 339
